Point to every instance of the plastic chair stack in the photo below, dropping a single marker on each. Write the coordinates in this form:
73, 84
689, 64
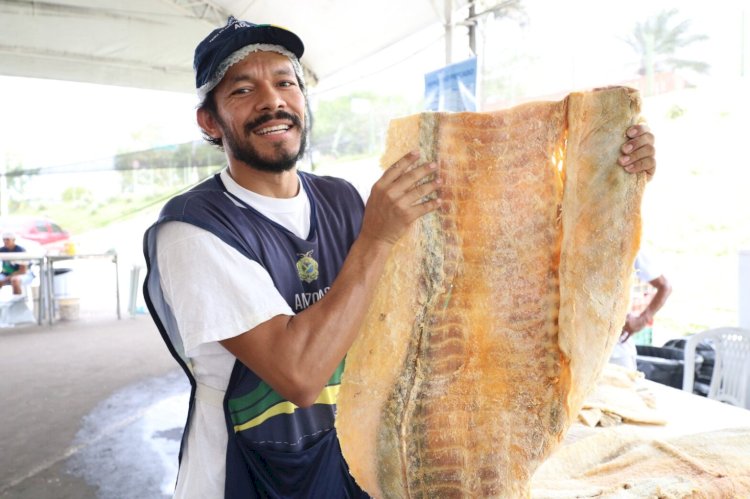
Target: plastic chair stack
730, 380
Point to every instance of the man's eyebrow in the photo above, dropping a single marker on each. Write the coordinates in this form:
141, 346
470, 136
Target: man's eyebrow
246, 77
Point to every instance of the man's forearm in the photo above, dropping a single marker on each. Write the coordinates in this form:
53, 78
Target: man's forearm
663, 290
330, 326
296, 355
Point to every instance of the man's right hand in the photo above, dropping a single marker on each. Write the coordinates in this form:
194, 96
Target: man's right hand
403, 194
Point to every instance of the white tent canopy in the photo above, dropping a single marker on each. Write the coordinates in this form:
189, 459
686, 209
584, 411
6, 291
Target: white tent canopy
150, 43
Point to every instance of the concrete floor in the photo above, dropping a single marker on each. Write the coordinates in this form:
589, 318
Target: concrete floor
91, 408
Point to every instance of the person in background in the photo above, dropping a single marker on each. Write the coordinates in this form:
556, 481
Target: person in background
290, 261
15, 273
646, 271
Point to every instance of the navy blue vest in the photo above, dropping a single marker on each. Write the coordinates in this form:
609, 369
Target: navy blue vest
275, 449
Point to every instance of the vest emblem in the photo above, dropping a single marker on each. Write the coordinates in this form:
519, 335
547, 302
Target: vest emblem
307, 267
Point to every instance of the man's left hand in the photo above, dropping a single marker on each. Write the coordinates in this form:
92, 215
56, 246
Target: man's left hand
633, 324
637, 154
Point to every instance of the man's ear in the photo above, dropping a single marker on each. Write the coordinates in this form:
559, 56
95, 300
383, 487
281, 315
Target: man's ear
208, 123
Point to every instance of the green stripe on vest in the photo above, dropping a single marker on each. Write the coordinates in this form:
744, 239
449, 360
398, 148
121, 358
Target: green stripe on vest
261, 400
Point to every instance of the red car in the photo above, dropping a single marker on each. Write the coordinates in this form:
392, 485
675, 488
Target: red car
40, 230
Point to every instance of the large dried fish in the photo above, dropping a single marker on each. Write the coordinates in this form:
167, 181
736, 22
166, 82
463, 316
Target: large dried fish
495, 315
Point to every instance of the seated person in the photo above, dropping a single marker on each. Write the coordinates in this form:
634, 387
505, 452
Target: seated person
14, 273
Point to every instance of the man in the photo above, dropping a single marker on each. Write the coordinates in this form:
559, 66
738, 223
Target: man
289, 263
646, 271
14, 273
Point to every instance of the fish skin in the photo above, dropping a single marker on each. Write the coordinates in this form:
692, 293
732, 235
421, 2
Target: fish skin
464, 378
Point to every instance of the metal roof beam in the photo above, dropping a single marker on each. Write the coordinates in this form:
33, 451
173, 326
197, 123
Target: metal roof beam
41, 8
202, 9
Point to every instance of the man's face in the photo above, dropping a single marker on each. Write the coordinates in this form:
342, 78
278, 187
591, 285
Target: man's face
9, 242
261, 112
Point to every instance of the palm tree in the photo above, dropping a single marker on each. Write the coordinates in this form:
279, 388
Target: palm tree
657, 42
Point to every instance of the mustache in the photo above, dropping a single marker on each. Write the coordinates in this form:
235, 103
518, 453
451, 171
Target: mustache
278, 115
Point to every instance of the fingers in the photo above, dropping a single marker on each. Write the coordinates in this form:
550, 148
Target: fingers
415, 192
639, 136
638, 153
407, 184
416, 183
424, 186
636, 130
399, 167
404, 193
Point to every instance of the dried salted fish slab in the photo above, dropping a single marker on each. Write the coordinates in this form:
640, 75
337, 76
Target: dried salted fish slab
614, 464
495, 315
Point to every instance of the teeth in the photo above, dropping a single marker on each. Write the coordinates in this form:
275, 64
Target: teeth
272, 129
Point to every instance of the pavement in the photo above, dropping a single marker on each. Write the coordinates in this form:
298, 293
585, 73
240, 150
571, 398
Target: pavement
92, 407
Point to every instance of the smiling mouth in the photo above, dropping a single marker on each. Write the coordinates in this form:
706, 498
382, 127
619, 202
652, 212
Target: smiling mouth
273, 129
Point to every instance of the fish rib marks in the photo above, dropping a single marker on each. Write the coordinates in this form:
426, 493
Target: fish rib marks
476, 347
521, 331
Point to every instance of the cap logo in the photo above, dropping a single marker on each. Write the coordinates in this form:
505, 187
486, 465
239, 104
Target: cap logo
231, 21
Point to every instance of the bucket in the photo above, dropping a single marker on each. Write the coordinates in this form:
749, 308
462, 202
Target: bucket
69, 308
62, 282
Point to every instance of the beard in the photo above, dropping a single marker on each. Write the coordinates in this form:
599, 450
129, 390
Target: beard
242, 150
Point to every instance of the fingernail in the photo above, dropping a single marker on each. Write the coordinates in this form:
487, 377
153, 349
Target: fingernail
627, 148
624, 159
632, 132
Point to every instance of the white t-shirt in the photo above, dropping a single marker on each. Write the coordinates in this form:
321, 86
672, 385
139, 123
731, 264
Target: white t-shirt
646, 267
216, 293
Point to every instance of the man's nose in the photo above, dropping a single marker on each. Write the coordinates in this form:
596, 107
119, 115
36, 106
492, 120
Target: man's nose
269, 98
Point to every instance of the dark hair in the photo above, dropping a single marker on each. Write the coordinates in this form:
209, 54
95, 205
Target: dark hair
209, 105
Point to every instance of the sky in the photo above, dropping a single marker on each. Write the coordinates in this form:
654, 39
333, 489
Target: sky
572, 44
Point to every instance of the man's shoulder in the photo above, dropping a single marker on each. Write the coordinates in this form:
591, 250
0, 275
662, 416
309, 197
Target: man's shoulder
335, 182
329, 186
208, 192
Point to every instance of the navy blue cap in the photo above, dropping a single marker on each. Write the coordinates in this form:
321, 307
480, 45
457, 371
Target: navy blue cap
224, 41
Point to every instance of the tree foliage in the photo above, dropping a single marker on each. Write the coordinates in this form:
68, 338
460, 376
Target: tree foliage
167, 166
658, 41
355, 124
